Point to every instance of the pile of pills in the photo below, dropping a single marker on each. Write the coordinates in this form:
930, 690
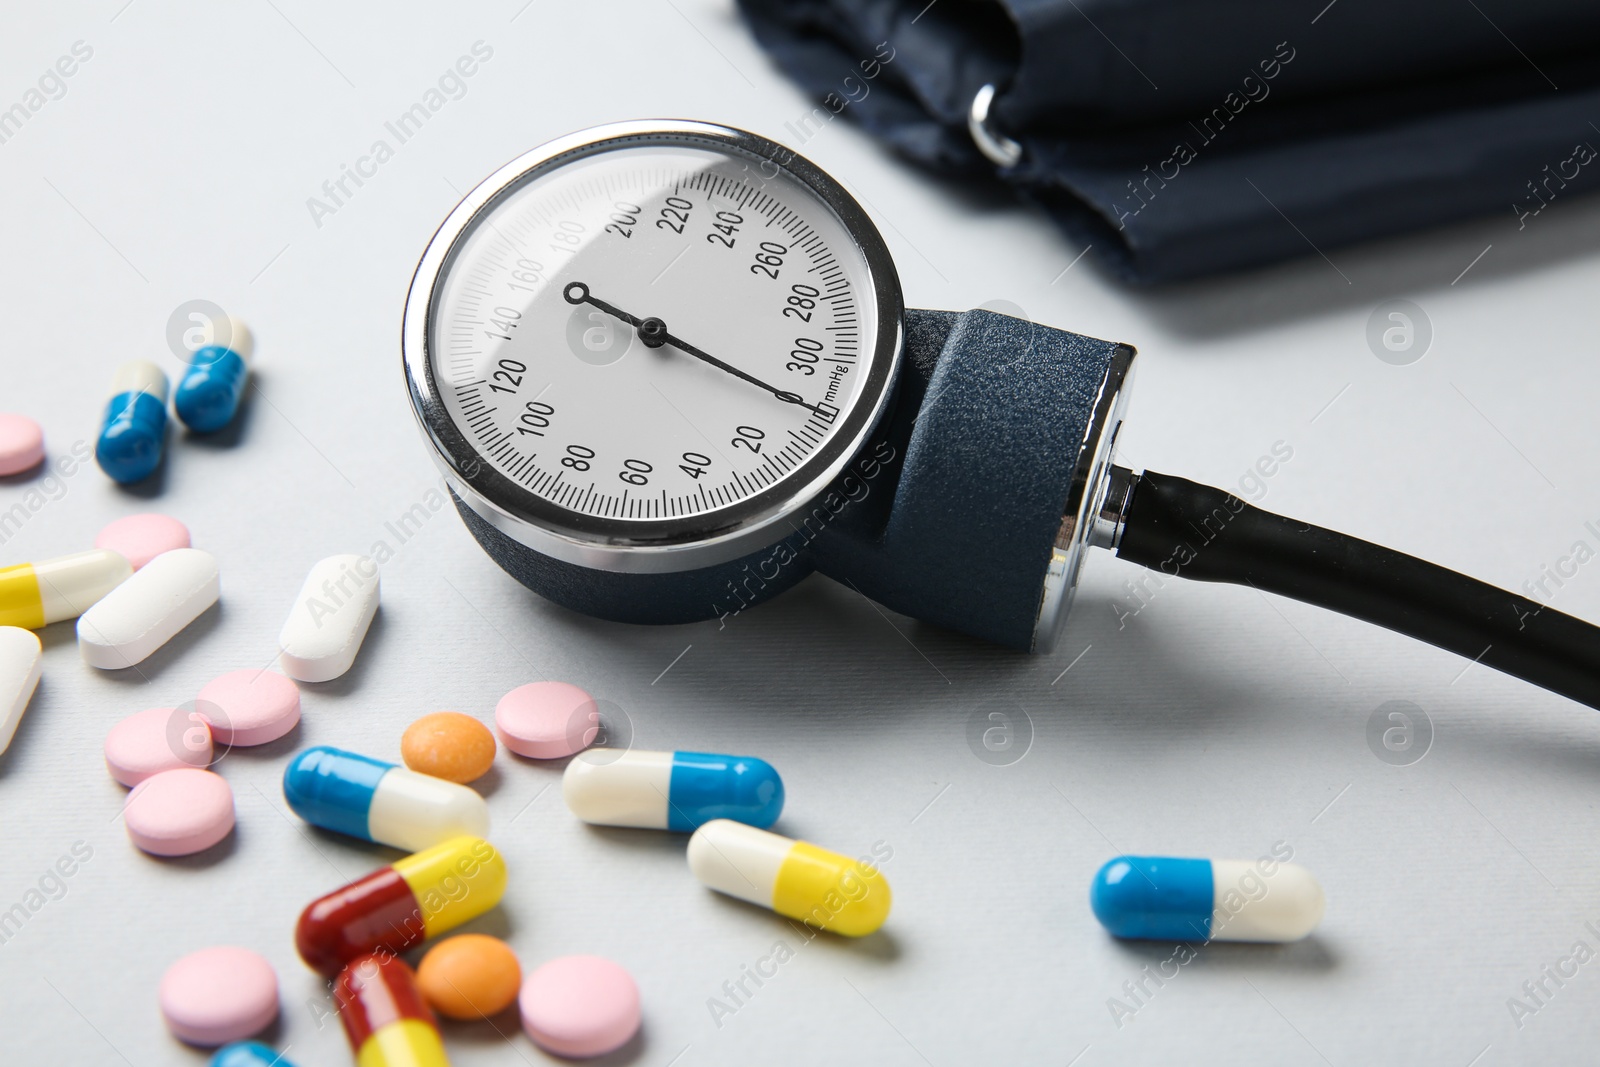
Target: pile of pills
582, 1006
143, 583
574, 1006
179, 807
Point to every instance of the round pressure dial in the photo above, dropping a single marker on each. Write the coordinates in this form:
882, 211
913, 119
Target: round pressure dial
644, 348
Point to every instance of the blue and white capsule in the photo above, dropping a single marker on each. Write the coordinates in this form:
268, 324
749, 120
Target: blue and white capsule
208, 394
671, 790
134, 431
376, 801
1164, 898
247, 1054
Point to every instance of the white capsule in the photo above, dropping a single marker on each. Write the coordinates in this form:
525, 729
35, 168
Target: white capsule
329, 618
20, 656
149, 609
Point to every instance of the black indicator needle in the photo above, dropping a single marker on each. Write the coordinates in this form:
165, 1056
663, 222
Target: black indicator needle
653, 332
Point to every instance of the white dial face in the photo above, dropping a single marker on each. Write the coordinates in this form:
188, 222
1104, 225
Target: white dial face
653, 332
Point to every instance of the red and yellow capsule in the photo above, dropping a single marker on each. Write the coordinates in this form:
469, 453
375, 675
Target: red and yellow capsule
402, 905
384, 1015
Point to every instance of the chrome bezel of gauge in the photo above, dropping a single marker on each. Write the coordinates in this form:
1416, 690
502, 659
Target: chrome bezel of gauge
660, 545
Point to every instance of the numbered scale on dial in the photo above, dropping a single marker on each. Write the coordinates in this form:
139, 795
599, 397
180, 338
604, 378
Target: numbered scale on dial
644, 330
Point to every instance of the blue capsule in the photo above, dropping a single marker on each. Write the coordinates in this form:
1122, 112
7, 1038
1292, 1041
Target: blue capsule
135, 428
208, 394
377, 801
671, 790
1164, 898
248, 1054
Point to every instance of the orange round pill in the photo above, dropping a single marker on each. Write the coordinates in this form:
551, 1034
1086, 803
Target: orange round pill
448, 745
470, 976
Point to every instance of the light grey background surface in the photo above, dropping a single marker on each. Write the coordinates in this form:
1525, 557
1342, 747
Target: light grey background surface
1215, 721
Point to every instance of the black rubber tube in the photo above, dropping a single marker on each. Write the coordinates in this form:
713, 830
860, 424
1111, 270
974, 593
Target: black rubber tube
1189, 530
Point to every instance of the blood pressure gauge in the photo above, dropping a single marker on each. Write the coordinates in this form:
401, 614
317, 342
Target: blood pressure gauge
651, 341
667, 373
658, 362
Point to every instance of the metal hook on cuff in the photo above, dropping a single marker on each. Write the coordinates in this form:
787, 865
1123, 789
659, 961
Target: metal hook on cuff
995, 145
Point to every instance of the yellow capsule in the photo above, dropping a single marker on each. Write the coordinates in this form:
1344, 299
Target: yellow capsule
454, 881
793, 878
36, 594
384, 1016
406, 1043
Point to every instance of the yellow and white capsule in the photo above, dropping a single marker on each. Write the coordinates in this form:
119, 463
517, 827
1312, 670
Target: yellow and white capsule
36, 594
793, 878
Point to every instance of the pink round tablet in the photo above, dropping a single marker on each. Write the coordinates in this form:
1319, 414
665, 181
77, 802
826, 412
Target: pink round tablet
156, 740
580, 1006
141, 538
547, 720
219, 994
179, 812
250, 707
21, 444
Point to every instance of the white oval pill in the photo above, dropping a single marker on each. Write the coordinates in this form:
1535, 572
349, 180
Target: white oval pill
329, 618
19, 676
149, 609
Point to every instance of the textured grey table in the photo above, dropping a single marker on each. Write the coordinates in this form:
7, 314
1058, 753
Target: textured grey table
178, 164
